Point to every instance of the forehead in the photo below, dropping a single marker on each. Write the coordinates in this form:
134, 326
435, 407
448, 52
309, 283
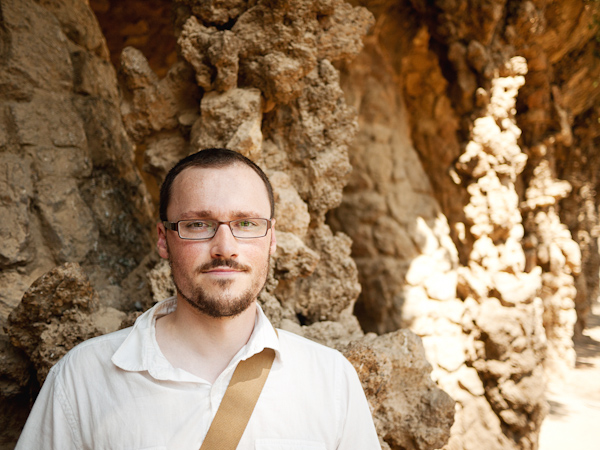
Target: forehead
218, 192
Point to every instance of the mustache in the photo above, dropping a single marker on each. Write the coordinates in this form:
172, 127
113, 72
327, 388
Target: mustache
223, 263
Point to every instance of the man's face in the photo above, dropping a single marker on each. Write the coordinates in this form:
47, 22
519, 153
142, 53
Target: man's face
222, 276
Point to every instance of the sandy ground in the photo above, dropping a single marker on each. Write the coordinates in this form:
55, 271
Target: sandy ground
574, 419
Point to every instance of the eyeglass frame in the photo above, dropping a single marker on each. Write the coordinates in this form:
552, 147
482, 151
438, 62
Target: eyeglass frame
174, 226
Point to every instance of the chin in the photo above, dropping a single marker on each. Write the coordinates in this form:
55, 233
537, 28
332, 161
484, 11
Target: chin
224, 304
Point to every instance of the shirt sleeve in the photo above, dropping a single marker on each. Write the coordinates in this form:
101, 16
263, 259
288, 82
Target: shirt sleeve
357, 428
51, 425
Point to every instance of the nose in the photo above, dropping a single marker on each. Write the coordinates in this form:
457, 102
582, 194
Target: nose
223, 244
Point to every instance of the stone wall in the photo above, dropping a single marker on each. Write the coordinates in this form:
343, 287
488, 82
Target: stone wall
70, 190
467, 227
257, 77
434, 160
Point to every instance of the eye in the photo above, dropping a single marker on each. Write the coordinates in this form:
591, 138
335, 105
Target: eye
245, 224
197, 225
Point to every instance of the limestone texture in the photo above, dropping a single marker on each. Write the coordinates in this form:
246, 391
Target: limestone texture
462, 201
59, 310
392, 368
70, 191
434, 165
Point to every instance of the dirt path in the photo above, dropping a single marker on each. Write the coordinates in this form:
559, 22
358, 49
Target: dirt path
574, 419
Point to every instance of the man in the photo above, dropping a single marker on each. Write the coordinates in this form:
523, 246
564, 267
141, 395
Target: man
159, 384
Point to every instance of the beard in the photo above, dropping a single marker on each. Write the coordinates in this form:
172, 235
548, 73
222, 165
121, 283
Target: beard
223, 302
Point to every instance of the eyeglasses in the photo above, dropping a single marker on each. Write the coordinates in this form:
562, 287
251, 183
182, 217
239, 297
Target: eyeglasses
200, 230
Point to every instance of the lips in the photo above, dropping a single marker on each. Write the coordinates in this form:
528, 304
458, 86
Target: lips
223, 265
221, 271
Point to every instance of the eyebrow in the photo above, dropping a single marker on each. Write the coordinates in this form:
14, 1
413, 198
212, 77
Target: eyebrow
207, 214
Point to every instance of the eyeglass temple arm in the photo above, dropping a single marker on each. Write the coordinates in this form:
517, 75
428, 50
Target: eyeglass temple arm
170, 225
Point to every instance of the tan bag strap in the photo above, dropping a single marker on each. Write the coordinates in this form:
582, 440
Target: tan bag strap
238, 402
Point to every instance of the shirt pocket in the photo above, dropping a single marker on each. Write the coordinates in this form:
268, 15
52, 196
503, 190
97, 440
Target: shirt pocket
288, 444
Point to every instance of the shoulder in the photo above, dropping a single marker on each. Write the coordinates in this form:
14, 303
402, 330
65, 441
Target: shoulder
92, 352
106, 341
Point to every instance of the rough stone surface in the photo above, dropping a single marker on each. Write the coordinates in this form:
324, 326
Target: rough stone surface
70, 192
439, 158
467, 188
213, 54
161, 283
59, 310
17, 189
396, 378
231, 120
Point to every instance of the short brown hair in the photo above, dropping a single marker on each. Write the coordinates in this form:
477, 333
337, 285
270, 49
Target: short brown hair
210, 157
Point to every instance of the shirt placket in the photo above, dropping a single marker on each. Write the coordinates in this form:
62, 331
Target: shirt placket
217, 390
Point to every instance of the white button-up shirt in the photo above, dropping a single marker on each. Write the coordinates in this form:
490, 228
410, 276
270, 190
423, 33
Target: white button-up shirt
118, 391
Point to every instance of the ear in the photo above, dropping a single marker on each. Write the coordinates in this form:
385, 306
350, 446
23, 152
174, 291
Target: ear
273, 238
161, 243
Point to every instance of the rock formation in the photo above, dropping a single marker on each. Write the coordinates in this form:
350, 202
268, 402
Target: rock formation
469, 247
432, 163
70, 190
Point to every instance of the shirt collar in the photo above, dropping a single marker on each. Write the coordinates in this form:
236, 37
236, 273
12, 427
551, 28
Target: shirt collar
140, 352
263, 336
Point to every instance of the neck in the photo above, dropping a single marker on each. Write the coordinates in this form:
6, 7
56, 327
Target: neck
201, 344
